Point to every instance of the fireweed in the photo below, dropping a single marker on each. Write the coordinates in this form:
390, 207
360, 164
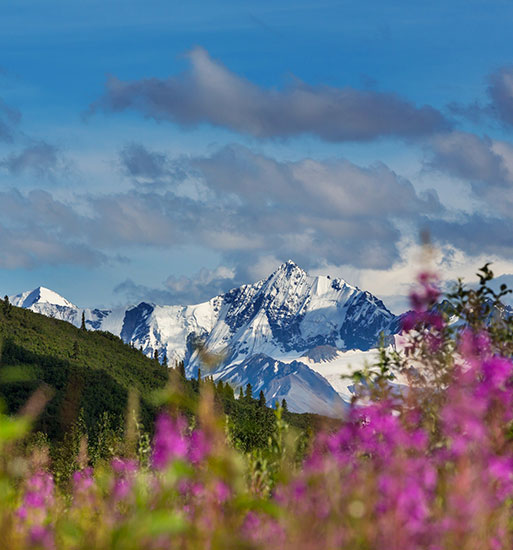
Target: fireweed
424, 466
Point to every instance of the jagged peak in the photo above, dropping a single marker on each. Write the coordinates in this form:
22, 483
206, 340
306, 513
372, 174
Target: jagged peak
41, 295
288, 265
288, 269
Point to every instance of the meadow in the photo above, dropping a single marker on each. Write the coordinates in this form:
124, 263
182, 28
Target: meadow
423, 466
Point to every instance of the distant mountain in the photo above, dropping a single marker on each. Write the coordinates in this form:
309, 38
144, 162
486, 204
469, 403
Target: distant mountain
287, 321
40, 297
302, 387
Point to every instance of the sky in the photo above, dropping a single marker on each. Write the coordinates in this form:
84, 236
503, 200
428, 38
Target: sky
168, 152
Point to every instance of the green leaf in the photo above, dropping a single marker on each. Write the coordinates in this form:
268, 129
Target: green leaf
163, 522
12, 428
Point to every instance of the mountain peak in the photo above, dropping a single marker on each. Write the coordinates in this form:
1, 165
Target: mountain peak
40, 295
289, 268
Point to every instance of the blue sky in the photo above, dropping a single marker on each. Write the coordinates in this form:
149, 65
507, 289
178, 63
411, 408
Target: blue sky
169, 151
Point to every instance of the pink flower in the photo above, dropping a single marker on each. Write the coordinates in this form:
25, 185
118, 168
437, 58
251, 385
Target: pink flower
222, 492
82, 480
39, 491
125, 470
169, 443
34, 512
42, 537
199, 446
124, 465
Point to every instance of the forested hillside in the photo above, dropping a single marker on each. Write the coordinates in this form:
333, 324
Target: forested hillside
92, 373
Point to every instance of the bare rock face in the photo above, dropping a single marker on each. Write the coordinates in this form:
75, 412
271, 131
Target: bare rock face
321, 354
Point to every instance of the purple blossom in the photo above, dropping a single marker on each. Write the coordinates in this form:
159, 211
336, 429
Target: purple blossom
124, 470
124, 466
41, 537
199, 446
38, 500
169, 443
82, 480
222, 492
39, 491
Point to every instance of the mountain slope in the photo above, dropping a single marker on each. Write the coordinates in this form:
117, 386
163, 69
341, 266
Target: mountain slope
281, 317
41, 296
303, 388
293, 312
92, 371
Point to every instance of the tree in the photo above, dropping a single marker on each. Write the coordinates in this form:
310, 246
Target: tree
261, 399
156, 355
228, 391
76, 350
249, 393
164, 359
181, 369
199, 376
284, 405
83, 324
7, 305
241, 394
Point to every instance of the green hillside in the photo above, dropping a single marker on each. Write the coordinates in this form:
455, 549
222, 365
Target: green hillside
93, 372
88, 371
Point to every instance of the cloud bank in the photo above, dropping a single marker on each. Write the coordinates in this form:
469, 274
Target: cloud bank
200, 287
209, 93
39, 158
9, 118
254, 206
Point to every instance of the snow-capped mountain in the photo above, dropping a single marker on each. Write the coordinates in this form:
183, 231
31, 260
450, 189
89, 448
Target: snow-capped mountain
47, 302
302, 387
41, 297
270, 333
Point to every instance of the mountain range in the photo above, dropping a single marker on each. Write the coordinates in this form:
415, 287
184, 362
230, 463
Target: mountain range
290, 335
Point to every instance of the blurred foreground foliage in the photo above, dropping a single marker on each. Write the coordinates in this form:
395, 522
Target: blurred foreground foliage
423, 460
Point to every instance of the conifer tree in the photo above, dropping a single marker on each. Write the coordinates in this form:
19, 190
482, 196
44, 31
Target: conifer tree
284, 405
261, 399
249, 393
241, 394
228, 391
83, 324
76, 350
164, 360
7, 305
181, 369
156, 355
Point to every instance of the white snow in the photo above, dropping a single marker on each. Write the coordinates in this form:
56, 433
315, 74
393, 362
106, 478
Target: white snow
344, 365
40, 295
